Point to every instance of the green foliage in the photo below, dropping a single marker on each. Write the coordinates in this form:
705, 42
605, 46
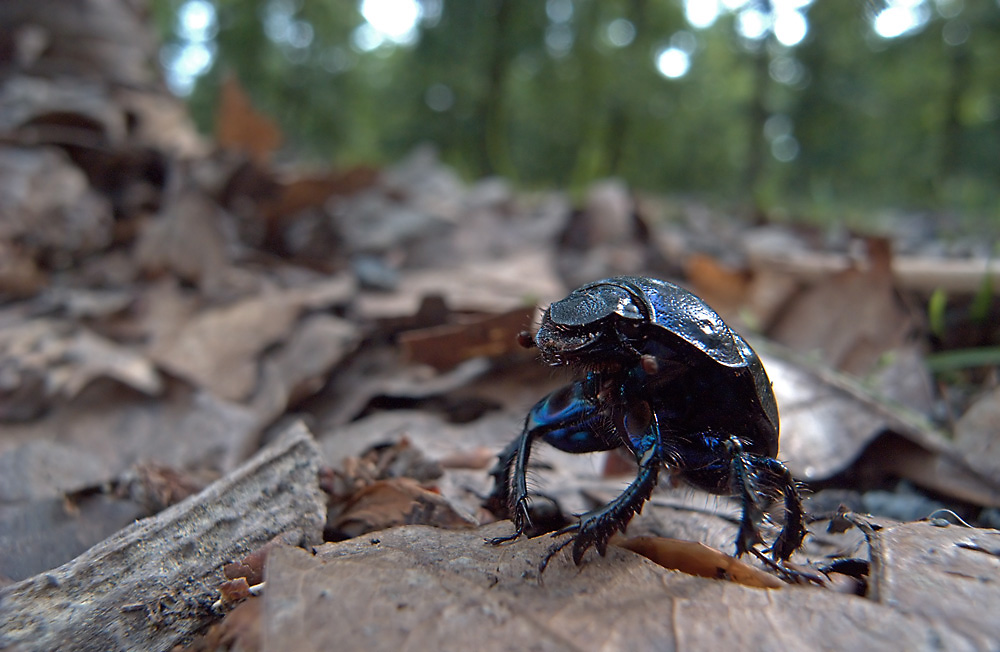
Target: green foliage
912, 121
936, 312
959, 359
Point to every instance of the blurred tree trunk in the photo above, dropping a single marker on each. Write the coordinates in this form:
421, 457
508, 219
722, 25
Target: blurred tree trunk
959, 65
591, 155
756, 117
495, 158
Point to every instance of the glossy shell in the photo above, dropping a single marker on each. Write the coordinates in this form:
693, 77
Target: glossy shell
571, 324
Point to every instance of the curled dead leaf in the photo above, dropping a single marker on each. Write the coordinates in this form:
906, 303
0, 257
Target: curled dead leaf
234, 590
695, 558
252, 566
397, 501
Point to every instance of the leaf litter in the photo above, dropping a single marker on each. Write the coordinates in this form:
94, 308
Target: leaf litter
160, 340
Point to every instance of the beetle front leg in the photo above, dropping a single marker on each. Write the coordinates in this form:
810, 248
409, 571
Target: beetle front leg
569, 419
511, 487
596, 528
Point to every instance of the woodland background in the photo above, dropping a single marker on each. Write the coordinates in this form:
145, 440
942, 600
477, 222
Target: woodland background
263, 268
804, 109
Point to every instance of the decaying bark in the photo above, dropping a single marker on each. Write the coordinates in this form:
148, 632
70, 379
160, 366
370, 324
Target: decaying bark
154, 583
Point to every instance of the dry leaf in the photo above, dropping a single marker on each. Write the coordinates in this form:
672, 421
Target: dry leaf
239, 631
240, 126
20, 276
396, 501
696, 558
187, 242
943, 577
218, 349
491, 336
721, 286
40, 535
49, 208
851, 318
302, 364
183, 428
490, 286
429, 589
251, 567
49, 360
977, 435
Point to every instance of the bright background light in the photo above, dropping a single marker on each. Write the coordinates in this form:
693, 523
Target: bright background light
394, 20
194, 54
901, 17
786, 20
701, 13
673, 62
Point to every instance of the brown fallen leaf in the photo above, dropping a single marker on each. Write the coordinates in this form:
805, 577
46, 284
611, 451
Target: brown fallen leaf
475, 458
39, 535
251, 567
240, 126
425, 588
766, 297
111, 427
187, 241
239, 631
695, 558
722, 287
20, 276
47, 361
301, 364
976, 434
486, 285
233, 591
218, 348
933, 573
156, 486
851, 318
491, 336
47, 205
397, 501
828, 419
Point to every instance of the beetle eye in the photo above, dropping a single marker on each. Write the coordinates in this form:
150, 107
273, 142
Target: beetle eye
706, 326
630, 311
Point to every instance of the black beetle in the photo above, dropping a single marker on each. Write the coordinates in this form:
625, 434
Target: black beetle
664, 377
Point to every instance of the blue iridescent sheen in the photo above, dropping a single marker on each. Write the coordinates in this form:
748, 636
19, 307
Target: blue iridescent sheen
663, 377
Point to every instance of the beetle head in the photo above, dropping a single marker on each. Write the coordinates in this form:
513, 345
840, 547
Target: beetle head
587, 326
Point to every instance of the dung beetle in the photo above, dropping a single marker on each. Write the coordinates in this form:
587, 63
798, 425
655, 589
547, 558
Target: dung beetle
661, 375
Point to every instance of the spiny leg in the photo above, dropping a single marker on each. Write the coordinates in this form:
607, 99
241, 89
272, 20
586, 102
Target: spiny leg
596, 528
747, 473
793, 529
515, 486
743, 484
569, 419
499, 497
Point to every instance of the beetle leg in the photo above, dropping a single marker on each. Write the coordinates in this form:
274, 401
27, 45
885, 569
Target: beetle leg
793, 529
569, 419
743, 476
511, 489
596, 528
499, 498
743, 484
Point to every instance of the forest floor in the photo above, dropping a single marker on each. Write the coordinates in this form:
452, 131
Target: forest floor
255, 407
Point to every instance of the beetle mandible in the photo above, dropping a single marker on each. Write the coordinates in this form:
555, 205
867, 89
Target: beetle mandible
661, 375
